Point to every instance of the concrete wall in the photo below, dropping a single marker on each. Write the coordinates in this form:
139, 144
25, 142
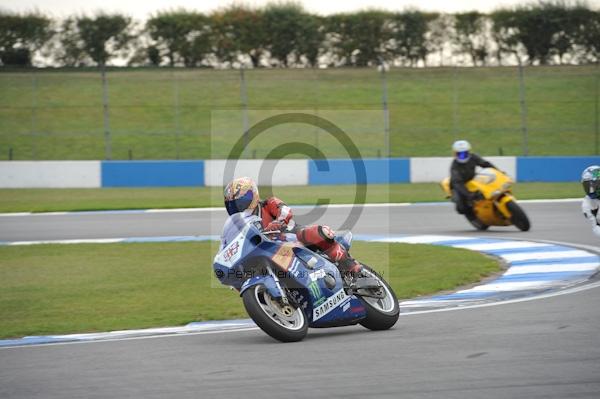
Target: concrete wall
49, 174
435, 169
19, 174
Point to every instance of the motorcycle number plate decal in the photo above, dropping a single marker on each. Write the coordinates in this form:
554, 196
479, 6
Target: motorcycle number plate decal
231, 253
330, 303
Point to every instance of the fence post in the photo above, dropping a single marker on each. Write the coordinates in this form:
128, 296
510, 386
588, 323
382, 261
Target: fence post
386, 112
455, 121
244, 100
316, 104
107, 138
34, 96
596, 122
176, 113
523, 109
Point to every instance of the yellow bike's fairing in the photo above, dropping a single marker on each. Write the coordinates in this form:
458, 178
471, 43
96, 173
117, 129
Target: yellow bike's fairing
494, 188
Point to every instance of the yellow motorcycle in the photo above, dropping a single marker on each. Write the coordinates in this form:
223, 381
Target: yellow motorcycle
494, 204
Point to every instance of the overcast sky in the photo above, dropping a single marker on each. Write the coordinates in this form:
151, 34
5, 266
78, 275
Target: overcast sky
140, 9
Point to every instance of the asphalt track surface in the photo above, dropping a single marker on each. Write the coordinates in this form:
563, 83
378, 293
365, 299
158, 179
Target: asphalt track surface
543, 348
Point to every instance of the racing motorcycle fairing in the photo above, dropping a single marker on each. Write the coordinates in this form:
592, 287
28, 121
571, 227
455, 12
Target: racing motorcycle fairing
288, 271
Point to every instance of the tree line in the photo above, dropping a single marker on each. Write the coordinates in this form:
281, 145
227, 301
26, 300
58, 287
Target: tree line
285, 35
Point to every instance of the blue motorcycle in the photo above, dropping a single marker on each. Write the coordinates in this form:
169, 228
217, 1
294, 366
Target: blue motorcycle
287, 287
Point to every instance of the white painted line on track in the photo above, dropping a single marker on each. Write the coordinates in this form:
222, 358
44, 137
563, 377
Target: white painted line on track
567, 291
576, 253
508, 287
119, 339
550, 201
127, 240
551, 268
219, 209
422, 239
501, 245
79, 241
209, 209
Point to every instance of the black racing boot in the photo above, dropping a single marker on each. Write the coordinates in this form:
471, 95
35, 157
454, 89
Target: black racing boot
478, 224
350, 269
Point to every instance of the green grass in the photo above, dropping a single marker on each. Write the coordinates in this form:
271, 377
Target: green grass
47, 200
50, 114
54, 289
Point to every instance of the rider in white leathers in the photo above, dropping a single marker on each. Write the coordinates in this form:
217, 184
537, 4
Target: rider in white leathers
590, 179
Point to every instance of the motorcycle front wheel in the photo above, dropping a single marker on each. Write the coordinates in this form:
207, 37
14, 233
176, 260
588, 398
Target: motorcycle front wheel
519, 218
382, 313
282, 322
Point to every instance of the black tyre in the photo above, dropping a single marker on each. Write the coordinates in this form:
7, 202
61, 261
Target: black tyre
382, 314
519, 218
284, 323
478, 224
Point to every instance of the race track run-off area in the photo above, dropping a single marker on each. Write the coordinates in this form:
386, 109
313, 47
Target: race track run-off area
531, 331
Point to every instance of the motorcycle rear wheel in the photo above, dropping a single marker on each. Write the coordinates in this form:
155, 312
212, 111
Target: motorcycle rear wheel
519, 218
383, 313
285, 324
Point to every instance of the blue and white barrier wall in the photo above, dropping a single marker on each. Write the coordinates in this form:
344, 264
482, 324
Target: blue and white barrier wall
270, 172
551, 169
348, 171
89, 174
152, 173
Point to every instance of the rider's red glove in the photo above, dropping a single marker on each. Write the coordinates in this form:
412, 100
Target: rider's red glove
276, 225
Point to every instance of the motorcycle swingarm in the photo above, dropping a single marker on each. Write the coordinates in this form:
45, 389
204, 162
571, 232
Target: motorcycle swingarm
366, 283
